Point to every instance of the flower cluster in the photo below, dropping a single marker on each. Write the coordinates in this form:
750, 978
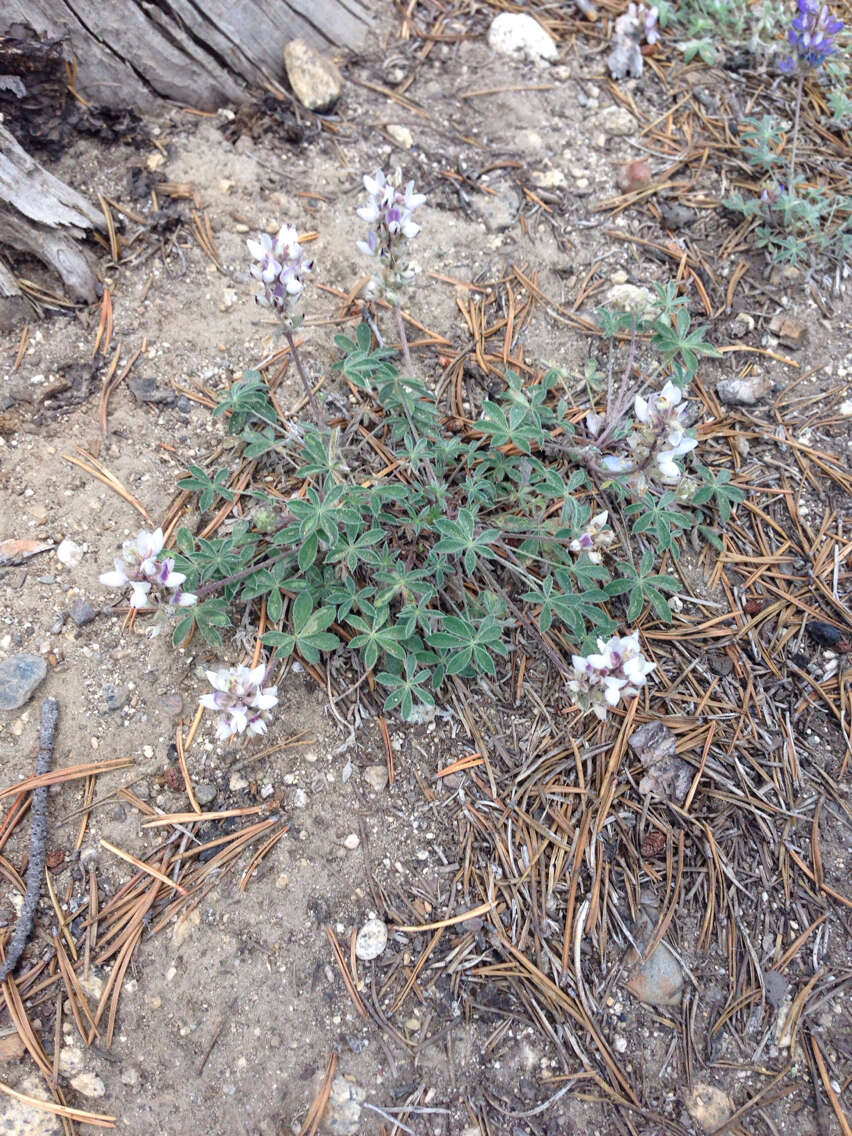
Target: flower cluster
389, 214
812, 36
280, 268
657, 438
594, 538
638, 21
138, 566
240, 697
617, 671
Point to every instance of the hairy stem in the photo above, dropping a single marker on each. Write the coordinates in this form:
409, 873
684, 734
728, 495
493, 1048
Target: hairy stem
799, 90
315, 408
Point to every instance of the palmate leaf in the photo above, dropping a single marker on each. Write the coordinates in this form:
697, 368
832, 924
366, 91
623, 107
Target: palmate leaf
407, 686
643, 587
309, 635
209, 489
459, 538
207, 617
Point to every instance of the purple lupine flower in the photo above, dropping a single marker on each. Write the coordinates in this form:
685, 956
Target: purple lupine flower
594, 537
280, 268
657, 438
389, 212
617, 670
638, 21
242, 700
811, 36
147, 576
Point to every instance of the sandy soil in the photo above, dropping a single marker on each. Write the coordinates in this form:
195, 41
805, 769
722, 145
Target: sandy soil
228, 1020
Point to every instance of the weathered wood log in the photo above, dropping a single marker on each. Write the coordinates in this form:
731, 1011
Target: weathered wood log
44, 217
129, 52
133, 53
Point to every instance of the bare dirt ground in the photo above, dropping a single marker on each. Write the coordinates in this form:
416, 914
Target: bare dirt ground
228, 1018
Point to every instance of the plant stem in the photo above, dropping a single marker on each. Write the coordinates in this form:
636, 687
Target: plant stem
796, 135
317, 413
409, 367
397, 311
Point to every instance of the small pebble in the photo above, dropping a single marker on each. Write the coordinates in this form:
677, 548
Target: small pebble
376, 776
352, 841
237, 782
115, 697
89, 1084
171, 704
300, 799
371, 940
205, 793
82, 612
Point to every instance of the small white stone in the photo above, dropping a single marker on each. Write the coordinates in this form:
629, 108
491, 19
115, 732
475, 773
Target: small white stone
516, 33
845, 408
620, 1045
89, 1084
351, 841
371, 940
237, 782
71, 1060
402, 136
69, 553
376, 776
130, 1076
548, 179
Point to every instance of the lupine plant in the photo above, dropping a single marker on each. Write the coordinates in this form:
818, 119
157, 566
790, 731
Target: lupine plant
801, 224
421, 560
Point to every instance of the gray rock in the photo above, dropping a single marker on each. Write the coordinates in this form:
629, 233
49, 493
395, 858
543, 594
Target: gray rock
343, 1117
171, 704
617, 122
145, 389
20, 676
657, 980
205, 793
82, 611
676, 216
315, 80
115, 697
776, 987
744, 392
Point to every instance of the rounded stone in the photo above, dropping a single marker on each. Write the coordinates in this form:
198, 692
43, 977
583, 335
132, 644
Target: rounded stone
315, 80
351, 841
371, 940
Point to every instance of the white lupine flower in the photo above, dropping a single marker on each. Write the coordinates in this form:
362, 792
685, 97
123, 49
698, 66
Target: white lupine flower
388, 212
280, 268
658, 437
242, 700
139, 567
617, 670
